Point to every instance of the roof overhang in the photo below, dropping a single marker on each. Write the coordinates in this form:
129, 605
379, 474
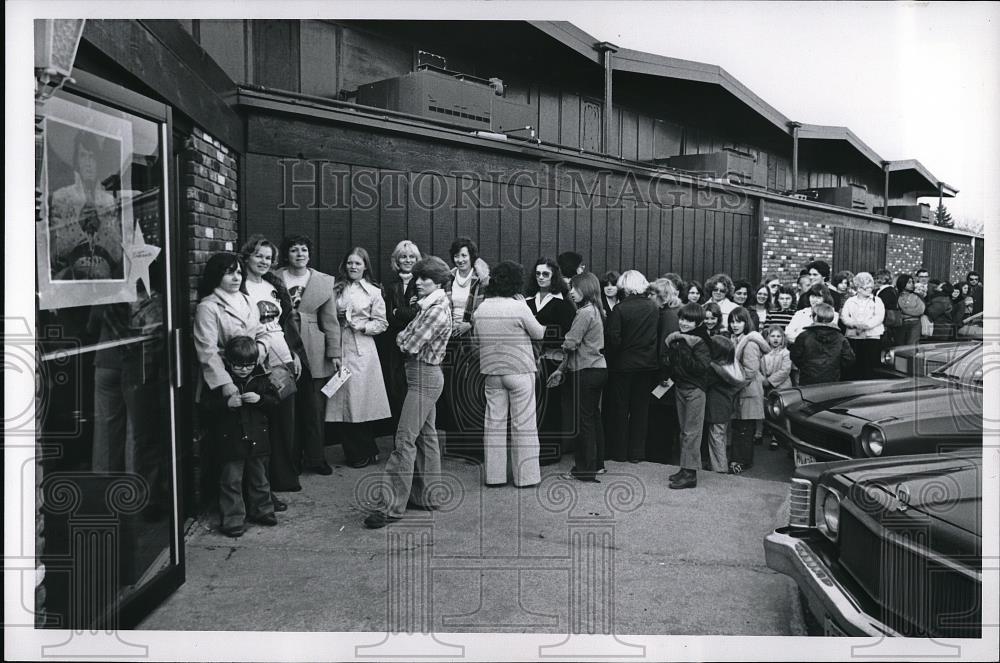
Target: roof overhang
824, 132
570, 36
658, 65
913, 177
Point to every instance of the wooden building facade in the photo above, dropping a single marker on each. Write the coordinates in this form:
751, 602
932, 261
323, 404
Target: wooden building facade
536, 140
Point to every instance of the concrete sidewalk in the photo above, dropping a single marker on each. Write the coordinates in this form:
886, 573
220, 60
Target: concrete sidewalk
627, 554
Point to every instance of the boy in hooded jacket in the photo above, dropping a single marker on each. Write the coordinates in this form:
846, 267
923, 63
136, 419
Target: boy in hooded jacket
821, 352
725, 382
689, 360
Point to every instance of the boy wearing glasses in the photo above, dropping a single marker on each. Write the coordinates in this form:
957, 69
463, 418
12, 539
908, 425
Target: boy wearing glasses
238, 431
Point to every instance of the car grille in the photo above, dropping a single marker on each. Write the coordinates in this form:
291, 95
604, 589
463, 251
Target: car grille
918, 596
799, 503
823, 438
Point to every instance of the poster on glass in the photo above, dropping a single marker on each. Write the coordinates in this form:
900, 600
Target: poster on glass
85, 230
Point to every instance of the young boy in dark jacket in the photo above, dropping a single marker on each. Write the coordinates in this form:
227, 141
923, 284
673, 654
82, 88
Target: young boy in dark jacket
821, 352
725, 382
688, 359
238, 430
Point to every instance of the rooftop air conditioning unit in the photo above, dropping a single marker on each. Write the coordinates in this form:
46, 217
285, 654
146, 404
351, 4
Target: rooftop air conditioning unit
455, 98
852, 196
728, 165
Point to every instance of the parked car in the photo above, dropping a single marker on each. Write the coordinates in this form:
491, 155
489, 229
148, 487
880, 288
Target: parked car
887, 546
862, 419
904, 361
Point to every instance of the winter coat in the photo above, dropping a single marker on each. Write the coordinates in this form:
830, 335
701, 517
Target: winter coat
938, 311
724, 384
821, 352
363, 396
215, 322
869, 312
400, 304
242, 432
631, 335
802, 319
319, 330
688, 358
776, 366
667, 325
749, 350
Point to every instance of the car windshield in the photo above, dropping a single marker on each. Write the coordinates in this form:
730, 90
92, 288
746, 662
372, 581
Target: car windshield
966, 370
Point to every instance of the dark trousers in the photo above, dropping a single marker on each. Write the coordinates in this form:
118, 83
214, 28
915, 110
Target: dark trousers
310, 408
237, 476
868, 357
629, 392
358, 439
286, 457
663, 430
581, 400
461, 410
743, 432
554, 429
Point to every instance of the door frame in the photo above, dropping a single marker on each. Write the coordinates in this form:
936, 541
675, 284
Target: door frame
135, 608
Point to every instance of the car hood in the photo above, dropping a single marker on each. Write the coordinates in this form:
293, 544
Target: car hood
877, 400
945, 487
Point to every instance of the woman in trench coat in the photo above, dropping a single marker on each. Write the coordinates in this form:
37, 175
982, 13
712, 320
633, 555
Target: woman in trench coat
362, 399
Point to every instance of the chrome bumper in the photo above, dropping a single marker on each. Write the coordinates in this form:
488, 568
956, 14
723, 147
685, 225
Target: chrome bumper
821, 454
827, 598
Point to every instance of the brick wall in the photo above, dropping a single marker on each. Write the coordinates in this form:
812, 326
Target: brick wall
903, 255
790, 241
963, 259
209, 210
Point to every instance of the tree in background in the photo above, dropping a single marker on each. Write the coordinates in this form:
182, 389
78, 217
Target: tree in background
942, 217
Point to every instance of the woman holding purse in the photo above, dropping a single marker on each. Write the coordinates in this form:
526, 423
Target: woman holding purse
270, 296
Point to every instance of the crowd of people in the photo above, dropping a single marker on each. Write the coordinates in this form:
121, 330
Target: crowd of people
531, 364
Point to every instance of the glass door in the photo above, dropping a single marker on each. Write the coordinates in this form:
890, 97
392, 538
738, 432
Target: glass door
107, 390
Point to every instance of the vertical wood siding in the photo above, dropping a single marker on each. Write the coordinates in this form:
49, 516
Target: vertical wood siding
858, 250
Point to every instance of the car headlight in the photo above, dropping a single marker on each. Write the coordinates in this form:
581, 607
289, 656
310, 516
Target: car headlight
872, 440
888, 357
828, 511
775, 406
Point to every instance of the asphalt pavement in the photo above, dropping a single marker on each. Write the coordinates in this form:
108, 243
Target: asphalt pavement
627, 555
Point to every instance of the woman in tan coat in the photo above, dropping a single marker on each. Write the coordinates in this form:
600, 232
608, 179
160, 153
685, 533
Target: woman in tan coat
362, 399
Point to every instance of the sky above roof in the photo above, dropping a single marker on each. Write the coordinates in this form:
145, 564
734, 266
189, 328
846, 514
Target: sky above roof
913, 81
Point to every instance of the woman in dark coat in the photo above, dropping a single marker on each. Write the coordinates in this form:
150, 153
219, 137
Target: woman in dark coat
548, 298
632, 367
400, 294
662, 440
939, 312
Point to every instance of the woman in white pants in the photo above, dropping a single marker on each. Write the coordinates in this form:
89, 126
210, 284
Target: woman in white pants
505, 327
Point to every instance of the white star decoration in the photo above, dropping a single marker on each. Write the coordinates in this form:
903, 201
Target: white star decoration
139, 256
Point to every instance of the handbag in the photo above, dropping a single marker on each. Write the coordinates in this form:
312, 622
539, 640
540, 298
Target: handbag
926, 326
283, 381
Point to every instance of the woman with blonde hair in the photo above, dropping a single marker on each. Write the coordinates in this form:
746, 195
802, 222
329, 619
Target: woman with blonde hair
863, 315
632, 360
400, 294
661, 435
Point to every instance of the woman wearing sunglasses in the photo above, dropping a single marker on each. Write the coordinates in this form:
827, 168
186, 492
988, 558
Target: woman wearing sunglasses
548, 298
719, 289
